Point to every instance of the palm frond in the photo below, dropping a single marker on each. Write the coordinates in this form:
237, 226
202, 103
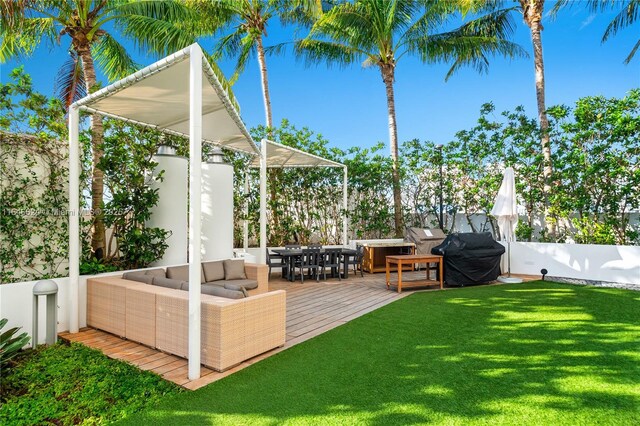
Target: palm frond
277, 49
69, 84
155, 26
315, 51
471, 44
23, 38
627, 16
633, 52
231, 44
12, 13
302, 12
247, 44
113, 58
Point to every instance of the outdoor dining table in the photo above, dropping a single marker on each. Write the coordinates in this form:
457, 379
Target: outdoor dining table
289, 256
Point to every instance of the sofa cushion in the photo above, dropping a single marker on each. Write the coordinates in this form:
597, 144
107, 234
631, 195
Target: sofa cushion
156, 272
236, 284
182, 273
168, 282
139, 276
216, 290
213, 271
234, 269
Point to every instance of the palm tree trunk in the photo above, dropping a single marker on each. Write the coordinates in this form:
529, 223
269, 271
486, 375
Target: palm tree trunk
97, 178
388, 78
533, 10
265, 82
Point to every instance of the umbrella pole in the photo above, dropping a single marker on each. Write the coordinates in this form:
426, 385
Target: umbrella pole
509, 259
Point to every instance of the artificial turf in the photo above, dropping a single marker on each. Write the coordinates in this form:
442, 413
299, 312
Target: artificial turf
535, 353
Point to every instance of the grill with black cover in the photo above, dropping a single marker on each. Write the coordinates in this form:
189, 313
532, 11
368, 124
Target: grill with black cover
470, 258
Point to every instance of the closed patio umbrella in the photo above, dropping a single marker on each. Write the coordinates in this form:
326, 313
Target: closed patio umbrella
506, 212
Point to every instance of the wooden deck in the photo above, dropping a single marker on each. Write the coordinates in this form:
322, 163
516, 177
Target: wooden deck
312, 309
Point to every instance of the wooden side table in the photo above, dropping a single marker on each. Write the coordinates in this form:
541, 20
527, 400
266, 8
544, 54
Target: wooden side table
412, 259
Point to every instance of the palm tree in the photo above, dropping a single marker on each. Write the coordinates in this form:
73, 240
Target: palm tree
532, 11
152, 25
246, 22
381, 32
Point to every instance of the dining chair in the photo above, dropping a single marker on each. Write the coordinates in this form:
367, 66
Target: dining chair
356, 260
331, 259
275, 260
309, 261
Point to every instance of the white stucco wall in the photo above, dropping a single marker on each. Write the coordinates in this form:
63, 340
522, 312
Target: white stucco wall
585, 261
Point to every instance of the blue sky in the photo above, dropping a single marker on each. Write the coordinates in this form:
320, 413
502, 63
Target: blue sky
348, 106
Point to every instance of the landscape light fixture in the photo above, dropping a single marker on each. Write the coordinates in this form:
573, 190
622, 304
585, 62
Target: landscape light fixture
543, 272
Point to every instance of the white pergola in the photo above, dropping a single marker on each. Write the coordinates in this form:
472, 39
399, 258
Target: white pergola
177, 95
283, 156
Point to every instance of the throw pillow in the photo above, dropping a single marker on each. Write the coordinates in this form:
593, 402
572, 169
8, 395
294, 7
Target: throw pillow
213, 271
234, 269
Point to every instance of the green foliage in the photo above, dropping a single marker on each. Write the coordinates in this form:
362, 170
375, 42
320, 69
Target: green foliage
128, 167
295, 215
10, 344
74, 384
596, 162
33, 195
94, 266
588, 231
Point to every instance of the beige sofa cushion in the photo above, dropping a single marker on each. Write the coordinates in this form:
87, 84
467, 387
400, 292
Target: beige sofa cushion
234, 269
236, 284
139, 276
156, 272
167, 283
181, 273
217, 290
213, 271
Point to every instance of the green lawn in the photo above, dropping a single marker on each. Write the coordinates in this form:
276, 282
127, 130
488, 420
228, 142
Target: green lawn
536, 353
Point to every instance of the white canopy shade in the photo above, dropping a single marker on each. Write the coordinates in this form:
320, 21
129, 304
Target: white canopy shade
281, 156
505, 208
180, 95
158, 97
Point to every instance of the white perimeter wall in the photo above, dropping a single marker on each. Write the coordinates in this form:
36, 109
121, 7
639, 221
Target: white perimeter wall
585, 261
16, 304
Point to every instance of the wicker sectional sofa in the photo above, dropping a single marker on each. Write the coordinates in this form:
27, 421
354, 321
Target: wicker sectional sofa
232, 330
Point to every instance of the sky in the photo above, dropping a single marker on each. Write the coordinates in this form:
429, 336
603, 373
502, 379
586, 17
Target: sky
348, 106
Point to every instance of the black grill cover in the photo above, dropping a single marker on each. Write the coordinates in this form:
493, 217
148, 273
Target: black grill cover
470, 258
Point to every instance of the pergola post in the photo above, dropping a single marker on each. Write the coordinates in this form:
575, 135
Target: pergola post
262, 258
245, 211
345, 207
74, 218
195, 207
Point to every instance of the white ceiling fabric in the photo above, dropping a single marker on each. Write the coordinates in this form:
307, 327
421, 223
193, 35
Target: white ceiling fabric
280, 156
158, 96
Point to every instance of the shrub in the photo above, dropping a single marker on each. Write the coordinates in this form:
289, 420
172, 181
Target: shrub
10, 344
73, 384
